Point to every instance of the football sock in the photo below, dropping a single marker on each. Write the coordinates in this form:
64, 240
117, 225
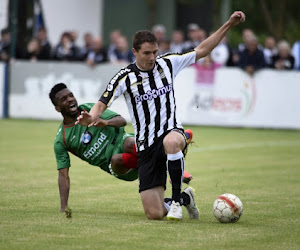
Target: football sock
175, 165
184, 199
129, 160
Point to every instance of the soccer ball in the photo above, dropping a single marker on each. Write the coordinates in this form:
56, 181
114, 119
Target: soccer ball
228, 208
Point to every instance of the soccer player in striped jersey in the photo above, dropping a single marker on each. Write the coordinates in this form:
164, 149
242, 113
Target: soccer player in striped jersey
148, 88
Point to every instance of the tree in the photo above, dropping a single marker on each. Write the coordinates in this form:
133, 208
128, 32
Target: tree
278, 18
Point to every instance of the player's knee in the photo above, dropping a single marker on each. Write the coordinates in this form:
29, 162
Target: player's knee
173, 144
154, 215
128, 144
116, 160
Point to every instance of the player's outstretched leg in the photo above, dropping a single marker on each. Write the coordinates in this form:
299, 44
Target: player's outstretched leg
191, 208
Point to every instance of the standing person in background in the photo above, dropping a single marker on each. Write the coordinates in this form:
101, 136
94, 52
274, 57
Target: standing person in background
33, 50
113, 37
251, 58
65, 51
246, 34
284, 59
148, 88
296, 54
45, 53
98, 54
159, 31
121, 53
221, 54
269, 50
87, 47
195, 35
177, 42
5, 45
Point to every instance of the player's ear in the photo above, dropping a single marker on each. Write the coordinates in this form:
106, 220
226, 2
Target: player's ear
134, 51
58, 109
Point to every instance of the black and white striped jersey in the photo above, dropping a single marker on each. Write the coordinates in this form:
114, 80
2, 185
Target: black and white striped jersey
149, 96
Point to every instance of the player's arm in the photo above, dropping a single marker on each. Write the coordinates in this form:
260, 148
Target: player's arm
117, 121
204, 48
64, 187
90, 118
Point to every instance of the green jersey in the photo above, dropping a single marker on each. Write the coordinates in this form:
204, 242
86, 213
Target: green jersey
95, 145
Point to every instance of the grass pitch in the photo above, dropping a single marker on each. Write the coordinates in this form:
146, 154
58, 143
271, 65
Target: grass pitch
261, 167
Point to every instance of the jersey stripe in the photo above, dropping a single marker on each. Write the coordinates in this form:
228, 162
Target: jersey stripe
157, 106
135, 113
149, 96
171, 70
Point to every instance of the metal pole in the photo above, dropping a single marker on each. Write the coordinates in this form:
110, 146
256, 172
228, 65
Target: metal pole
13, 23
225, 10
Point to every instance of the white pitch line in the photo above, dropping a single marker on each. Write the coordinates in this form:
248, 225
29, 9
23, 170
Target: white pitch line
243, 145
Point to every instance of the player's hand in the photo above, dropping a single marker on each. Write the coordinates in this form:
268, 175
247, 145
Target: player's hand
84, 119
237, 17
99, 123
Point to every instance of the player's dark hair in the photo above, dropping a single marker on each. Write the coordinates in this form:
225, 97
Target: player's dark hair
56, 88
143, 36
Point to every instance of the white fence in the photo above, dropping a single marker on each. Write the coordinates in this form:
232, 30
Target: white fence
230, 97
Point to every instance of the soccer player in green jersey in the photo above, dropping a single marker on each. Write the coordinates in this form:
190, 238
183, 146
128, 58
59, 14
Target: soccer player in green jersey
106, 145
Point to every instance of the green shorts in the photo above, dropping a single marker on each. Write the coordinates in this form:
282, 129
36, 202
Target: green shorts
132, 174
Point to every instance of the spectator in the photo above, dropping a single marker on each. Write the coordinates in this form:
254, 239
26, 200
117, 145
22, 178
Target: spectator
284, 59
74, 38
87, 47
165, 46
296, 54
205, 69
221, 53
251, 58
122, 53
159, 31
65, 50
98, 54
114, 35
5, 45
177, 42
45, 46
269, 50
246, 34
195, 36
33, 50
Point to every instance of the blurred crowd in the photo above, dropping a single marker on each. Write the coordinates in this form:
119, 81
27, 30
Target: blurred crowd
249, 55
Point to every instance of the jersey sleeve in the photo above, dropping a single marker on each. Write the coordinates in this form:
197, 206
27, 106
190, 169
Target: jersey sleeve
180, 60
62, 155
115, 88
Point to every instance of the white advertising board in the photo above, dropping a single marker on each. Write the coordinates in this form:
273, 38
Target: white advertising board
269, 99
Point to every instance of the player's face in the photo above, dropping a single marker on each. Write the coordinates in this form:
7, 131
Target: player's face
66, 102
145, 57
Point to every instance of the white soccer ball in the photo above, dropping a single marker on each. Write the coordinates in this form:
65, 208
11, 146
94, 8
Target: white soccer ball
228, 208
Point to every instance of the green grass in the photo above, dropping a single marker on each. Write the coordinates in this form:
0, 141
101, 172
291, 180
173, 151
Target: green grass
261, 167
